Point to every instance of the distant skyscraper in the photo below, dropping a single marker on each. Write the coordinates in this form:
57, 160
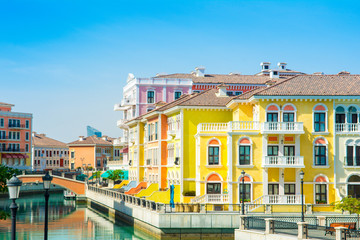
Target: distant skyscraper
92, 131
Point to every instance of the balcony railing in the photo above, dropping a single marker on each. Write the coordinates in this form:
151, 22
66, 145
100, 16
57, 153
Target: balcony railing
351, 161
212, 127
244, 126
19, 126
12, 150
282, 127
282, 199
211, 198
347, 127
283, 161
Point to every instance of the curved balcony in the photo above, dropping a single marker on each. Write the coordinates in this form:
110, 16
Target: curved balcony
121, 124
282, 128
283, 162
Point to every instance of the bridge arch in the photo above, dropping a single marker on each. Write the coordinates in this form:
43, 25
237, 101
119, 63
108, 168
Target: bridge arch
78, 187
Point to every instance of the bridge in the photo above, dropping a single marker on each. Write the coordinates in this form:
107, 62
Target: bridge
77, 187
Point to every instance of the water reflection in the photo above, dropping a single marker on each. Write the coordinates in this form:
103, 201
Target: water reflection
67, 221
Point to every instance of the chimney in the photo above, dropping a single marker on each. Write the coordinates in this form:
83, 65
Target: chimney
274, 74
222, 90
81, 138
33, 134
200, 71
105, 138
344, 73
282, 65
265, 66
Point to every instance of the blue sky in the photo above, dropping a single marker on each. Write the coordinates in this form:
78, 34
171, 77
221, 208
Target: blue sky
67, 61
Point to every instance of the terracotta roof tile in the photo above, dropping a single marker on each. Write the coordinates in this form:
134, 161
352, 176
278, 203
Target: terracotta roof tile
92, 140
41, 140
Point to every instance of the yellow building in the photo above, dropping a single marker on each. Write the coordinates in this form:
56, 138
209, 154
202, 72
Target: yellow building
308, 123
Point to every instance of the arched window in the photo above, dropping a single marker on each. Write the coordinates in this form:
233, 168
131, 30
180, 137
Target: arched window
213, 185
245, 151
320, 118
320, 152
289, 112
272, 113
213, 152
353, 188
246, 188
352, 115
321, 189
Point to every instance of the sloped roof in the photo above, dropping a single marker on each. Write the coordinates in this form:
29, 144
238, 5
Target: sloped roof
92, 140
223, 78
41, 140
315, 85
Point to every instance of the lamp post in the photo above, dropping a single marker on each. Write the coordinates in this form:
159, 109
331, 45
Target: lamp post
47, 182
243, 193
13, 185
302, 195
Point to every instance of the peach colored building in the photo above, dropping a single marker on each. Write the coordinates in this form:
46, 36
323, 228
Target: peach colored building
15, 137
91, 151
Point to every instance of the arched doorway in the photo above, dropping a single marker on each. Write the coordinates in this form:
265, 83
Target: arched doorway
354, 186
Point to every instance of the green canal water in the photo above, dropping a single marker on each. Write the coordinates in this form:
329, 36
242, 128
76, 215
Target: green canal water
67, 221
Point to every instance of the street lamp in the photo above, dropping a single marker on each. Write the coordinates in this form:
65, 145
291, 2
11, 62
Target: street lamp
243, 193
302, 195
13, 185
47, 182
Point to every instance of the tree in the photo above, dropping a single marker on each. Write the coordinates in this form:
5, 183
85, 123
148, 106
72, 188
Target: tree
115, 175
349, 204
5, 174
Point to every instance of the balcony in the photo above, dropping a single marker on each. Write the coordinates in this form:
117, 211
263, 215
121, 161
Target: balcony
347, 128
121, 123
17, 126
282, 199
121, 141
282, 128
211, 198
352, 162
15, 150
244, 126
212, 127
283, 162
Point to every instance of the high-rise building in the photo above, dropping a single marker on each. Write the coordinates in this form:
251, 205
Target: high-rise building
92, 131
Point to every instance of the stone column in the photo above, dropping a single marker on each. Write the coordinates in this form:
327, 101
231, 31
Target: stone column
340, 233
302, 230
269, 226
230, 170
242, 222
321, 220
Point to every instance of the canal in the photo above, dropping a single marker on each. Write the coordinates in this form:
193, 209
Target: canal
67, 221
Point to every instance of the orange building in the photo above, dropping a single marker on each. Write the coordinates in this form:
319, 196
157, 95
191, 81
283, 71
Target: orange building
15, 137
90, 151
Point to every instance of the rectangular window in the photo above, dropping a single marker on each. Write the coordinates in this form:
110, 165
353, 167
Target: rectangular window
156, 131
289, 150
229, 93
213, 188
177, 94
2, 134
319, 122
213, 155
72, 154
273, 151
350, 156
272, 117
273, 189
150, 97
320, 194
320, 155
27, 136
247, 191
244, 155
1, 122
149, 132
288, 117
238, 93
26, 147
27, 124
289, 189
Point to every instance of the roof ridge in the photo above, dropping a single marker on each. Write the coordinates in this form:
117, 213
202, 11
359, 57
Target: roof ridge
279, 83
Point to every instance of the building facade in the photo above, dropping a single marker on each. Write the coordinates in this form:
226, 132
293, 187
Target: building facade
90, 151
48, 153
203, 141
15, 137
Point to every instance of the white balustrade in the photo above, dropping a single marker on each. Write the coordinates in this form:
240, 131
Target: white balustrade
283, 161
283, 127
244, 126
347, 127
282, 199
212, 127
211, 198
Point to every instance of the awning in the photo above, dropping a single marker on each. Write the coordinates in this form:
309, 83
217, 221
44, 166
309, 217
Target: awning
25, 155
5, 155
124, 150
106, 174
14, 155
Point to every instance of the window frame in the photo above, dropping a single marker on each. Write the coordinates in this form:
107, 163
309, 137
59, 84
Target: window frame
153, 97
326, 152
244, 145
177, 91
325, 112
208, 145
